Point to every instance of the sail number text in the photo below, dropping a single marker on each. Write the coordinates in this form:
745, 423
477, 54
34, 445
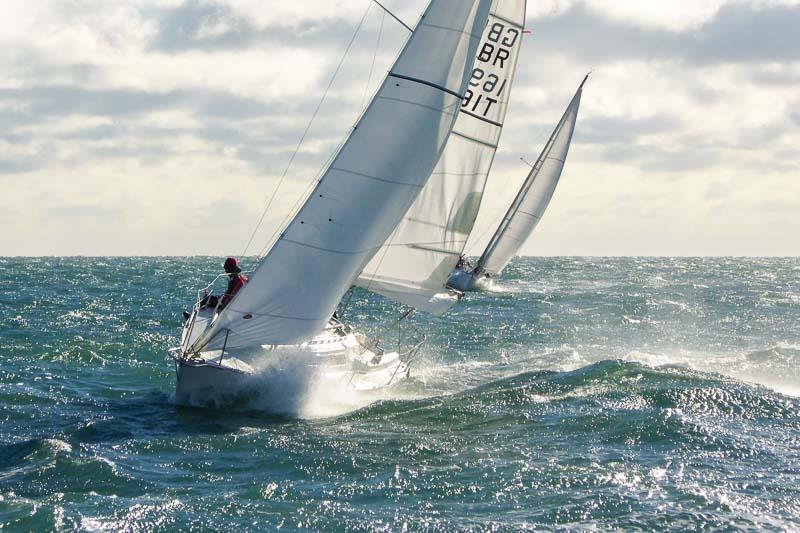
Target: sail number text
486, 85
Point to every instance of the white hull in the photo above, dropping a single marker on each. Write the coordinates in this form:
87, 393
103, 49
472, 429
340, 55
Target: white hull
464, 281
207, 382
335, 357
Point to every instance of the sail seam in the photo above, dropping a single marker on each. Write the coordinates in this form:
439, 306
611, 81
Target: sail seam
529, 214
426, 82
340, 252
434, 249
446, 28
396, 285
241, 330
433, 224
473, 115
473, 139
462, 174
384, 180
409, 102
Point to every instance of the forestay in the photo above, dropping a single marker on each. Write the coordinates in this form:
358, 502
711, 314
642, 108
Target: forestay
416, 260
531, 202
365, 191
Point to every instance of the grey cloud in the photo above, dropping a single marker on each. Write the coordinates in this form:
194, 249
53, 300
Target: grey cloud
67, 100
209, 25
782, 77
93, 133
650, 158
739, 33
20, 165
62, 100
264, 143
183, 28
34, 155
10, 120
603, 130
744, 33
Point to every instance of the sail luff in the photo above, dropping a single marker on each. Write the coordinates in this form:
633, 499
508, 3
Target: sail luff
365, 190
415, 262
494, 265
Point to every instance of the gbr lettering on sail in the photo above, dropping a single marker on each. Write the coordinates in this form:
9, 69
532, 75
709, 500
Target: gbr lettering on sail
493, 67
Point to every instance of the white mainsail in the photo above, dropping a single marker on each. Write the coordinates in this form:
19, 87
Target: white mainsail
365, 191
533, 197
416, 260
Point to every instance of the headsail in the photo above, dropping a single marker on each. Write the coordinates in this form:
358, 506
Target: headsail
365, 191
416, 260
533, 198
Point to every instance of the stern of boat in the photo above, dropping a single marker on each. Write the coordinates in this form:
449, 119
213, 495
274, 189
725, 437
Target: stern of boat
460, 280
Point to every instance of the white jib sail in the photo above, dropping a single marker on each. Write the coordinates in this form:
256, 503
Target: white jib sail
416, 260
365, 191
534, 196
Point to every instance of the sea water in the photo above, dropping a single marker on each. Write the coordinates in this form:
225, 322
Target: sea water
580, 393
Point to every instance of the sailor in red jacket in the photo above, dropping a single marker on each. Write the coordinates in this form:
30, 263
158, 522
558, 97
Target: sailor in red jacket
235, 283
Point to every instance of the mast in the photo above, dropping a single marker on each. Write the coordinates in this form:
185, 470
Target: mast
561, 134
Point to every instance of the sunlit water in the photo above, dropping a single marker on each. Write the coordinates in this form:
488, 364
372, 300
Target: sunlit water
579, 393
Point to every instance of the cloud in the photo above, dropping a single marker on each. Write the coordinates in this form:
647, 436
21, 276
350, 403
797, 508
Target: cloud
160, 108
45, 101
195, 25
738, 33
605, 129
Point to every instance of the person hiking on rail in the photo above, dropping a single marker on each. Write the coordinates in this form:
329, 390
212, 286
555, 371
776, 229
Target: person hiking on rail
235, 283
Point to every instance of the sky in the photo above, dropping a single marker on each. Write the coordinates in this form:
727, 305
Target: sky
162, 127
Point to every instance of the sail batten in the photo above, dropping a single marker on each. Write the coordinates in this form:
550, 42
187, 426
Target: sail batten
424, 82
415, 262
364, 192
533, 197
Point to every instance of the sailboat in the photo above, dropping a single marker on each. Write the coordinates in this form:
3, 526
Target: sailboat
286, 309
414, 264
526, 209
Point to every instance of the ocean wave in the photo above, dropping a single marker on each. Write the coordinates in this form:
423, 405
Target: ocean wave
615, 384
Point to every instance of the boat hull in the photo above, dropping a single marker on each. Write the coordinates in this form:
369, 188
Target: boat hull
209, 383
465, 281
339, 361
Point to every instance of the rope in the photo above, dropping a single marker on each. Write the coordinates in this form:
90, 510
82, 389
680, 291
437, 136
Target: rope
305, 132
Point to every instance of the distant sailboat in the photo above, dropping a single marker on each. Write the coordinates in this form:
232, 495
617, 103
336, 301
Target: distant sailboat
367, 188
527, 208
415, 262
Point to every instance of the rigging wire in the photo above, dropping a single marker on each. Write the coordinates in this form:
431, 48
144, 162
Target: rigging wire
349, 297
395, 17
305, 132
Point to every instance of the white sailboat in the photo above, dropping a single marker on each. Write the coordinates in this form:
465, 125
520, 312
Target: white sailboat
285, 310
414, 264
526, 209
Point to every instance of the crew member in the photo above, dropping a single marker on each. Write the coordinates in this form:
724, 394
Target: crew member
235, 283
